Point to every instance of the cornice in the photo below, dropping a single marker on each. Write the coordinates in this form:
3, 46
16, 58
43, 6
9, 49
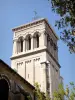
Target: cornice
35, 52
34, 23
28, 53
28, 24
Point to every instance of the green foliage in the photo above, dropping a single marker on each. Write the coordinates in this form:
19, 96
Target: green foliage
39, 94
66, 10
60, 94
29, 98
15, 70
65, 94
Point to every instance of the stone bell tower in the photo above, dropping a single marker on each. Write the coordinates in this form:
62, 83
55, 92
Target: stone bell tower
35, 54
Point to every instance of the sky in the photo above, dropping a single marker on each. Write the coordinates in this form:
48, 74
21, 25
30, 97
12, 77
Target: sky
17, 12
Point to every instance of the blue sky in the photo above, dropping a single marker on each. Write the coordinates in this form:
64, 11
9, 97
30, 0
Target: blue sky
17, 12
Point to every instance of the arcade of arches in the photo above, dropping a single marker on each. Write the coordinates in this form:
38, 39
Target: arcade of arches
25, 44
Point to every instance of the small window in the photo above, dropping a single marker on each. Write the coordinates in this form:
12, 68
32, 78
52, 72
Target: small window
20, 45
37, 39
29, 41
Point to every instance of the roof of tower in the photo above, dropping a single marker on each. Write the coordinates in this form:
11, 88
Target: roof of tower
35, 22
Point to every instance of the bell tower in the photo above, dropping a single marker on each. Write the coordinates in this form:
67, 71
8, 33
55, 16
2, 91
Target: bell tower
35, 54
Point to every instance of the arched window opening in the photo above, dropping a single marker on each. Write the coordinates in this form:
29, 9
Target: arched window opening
36, 41
29, 41
4, 89
20, 45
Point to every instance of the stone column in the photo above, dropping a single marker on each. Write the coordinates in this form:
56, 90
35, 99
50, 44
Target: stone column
34, 71
41, 39
50, 77
43, 77
45, 39
14, 47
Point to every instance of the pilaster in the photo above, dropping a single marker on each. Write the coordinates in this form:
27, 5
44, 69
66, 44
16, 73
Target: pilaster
14, 46
43, 77
50, 77
41, 39
45, 38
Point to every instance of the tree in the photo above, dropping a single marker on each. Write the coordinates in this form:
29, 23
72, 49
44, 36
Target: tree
60, 94
65, 94
39, 94
66, 10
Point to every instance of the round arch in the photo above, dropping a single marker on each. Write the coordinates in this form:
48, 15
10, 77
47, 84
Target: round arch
5, 77
36, 33
27, 36
20, 38
36, 36
20, 44
4, 87
28, 41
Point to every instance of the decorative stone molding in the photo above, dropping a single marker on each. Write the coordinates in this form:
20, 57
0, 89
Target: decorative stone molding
35, 23
5, 77
21, 37
36, 33
29, 24
36, 59
20, 63
28, 35
28, 61
19, 34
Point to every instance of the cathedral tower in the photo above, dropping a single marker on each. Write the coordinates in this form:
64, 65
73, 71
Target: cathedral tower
35, 54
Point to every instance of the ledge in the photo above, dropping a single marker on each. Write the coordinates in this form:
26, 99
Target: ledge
38, 50
28, 53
